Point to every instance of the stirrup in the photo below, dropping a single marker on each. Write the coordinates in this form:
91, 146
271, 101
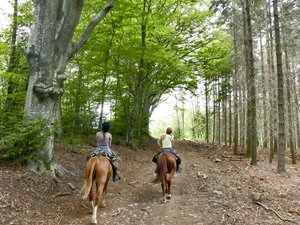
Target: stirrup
178, 170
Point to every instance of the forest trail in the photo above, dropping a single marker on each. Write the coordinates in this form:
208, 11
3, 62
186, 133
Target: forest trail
225, 197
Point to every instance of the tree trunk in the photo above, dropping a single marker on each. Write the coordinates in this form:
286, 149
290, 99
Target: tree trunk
270, 75
139, 81
60, 130
219, 116
235, 84
264, 86
182, 115
230, 120
289, 101
48, 51
296, 104
281, 132
248, 79
224, 109
206, 113
11, 63
274, 84
252, 89
214, 111
243, 108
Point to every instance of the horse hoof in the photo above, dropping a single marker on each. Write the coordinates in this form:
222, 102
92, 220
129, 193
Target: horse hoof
102, 205
168, 197
94, 221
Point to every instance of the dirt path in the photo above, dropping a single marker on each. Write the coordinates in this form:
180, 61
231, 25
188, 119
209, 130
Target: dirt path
225, 197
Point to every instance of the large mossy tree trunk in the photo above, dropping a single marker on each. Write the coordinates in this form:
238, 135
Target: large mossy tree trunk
48, 51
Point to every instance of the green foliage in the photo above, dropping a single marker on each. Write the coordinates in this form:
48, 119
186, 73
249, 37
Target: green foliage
19, 142
23, 176
181, 43
117, 141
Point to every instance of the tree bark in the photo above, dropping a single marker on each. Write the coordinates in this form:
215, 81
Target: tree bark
206, 114
48, 51
270, 80
289, 93
281, 132
248, 79
296, 104
264, 86
252, 89
11, 63
230, 120
224, 109
274, 90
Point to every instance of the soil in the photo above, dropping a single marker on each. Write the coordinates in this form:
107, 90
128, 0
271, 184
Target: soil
215, 187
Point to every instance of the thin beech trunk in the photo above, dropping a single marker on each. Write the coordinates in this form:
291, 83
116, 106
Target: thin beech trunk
206, 114
214, 116
219, 115
281, 132
270, 80
230, 120
224, 107
296, 104
274, 84
289, 93
11, 63
248, 80
264, 86
252, 92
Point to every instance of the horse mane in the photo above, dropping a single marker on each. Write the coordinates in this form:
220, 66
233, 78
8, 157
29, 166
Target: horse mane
161, 169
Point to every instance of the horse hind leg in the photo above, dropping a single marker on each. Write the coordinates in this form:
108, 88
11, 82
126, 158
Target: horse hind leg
94, 217
169, 185
102, 203
95, 206
163, 191
91, 199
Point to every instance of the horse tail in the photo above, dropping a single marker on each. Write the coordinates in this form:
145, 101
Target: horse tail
89, 171
161, 169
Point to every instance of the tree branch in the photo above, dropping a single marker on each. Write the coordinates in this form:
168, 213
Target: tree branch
69, 12
89, 29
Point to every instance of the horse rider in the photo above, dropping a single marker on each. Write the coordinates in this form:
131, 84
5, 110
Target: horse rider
166, 144
104, 139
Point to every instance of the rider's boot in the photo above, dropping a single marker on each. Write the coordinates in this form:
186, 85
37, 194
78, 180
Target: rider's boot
114, 165
178, 169
116, 177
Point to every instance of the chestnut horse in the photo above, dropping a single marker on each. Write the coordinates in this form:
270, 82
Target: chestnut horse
97, 169
166, 164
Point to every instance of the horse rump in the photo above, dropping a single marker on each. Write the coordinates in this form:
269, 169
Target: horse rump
161, 169
89, 173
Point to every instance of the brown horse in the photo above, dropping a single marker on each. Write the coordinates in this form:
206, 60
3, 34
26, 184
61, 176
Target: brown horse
97, 169
166, 164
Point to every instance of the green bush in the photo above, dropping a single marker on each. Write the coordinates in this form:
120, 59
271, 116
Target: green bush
20, 141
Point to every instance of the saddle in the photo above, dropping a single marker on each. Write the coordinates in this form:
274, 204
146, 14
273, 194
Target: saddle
102, 153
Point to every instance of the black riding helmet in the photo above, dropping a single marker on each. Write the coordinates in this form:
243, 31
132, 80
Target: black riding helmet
105, 126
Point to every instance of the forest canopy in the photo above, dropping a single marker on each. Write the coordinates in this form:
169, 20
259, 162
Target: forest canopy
115, 60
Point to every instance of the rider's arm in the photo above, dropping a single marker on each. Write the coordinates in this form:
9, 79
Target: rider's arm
158, 142
109, 141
